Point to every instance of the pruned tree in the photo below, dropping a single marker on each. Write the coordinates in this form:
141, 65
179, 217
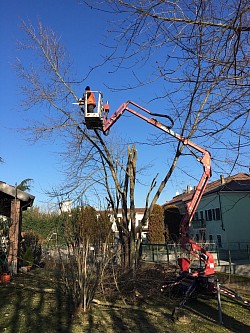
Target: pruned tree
197, 50
95, 167
128, 235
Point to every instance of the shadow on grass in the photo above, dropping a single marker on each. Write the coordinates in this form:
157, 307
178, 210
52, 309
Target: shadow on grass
29, 304
234, 315
114, 320
35, 303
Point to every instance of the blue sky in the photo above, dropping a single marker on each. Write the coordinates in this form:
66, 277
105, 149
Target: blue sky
73, 23
82, 31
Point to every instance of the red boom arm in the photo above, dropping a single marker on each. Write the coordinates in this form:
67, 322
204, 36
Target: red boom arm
188, 244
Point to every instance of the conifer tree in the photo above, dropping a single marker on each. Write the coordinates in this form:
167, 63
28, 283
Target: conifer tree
156, 233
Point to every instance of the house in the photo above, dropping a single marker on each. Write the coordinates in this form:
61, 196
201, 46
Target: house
139, 212
223, 214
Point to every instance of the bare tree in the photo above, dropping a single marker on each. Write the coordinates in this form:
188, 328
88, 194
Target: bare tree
87, 254
94, 166
199, 51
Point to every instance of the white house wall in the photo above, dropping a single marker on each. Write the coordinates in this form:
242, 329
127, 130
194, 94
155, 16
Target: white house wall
234, 223
214, 227
138, 218
236, 216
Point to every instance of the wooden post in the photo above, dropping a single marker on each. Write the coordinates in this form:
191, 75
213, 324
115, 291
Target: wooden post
14, 236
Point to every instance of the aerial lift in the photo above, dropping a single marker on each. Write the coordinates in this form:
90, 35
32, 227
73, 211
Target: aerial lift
93, 120
195, 280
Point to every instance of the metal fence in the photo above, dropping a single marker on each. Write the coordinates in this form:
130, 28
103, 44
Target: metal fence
238, 252
167, 253
170, 252
236, 246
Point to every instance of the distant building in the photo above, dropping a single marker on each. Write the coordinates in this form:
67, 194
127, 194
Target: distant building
223, 215
65, 206
139, 212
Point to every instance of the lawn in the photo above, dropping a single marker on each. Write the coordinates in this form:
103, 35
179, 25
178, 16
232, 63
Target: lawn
32, 302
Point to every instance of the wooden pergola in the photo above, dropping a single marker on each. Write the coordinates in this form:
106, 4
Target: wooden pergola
12, 203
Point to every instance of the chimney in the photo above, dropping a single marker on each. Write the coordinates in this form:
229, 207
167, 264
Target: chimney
222, 179
189, 188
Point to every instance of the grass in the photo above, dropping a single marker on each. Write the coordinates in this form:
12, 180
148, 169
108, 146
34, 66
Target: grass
29, 304
33, 303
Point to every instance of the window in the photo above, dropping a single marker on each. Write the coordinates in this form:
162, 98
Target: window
210, 237
202, 235
201, 215
196, 216
217, 214
213, 210
210, 215
219, 241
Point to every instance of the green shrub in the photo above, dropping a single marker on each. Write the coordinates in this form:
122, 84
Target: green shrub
31, 250
28, 258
